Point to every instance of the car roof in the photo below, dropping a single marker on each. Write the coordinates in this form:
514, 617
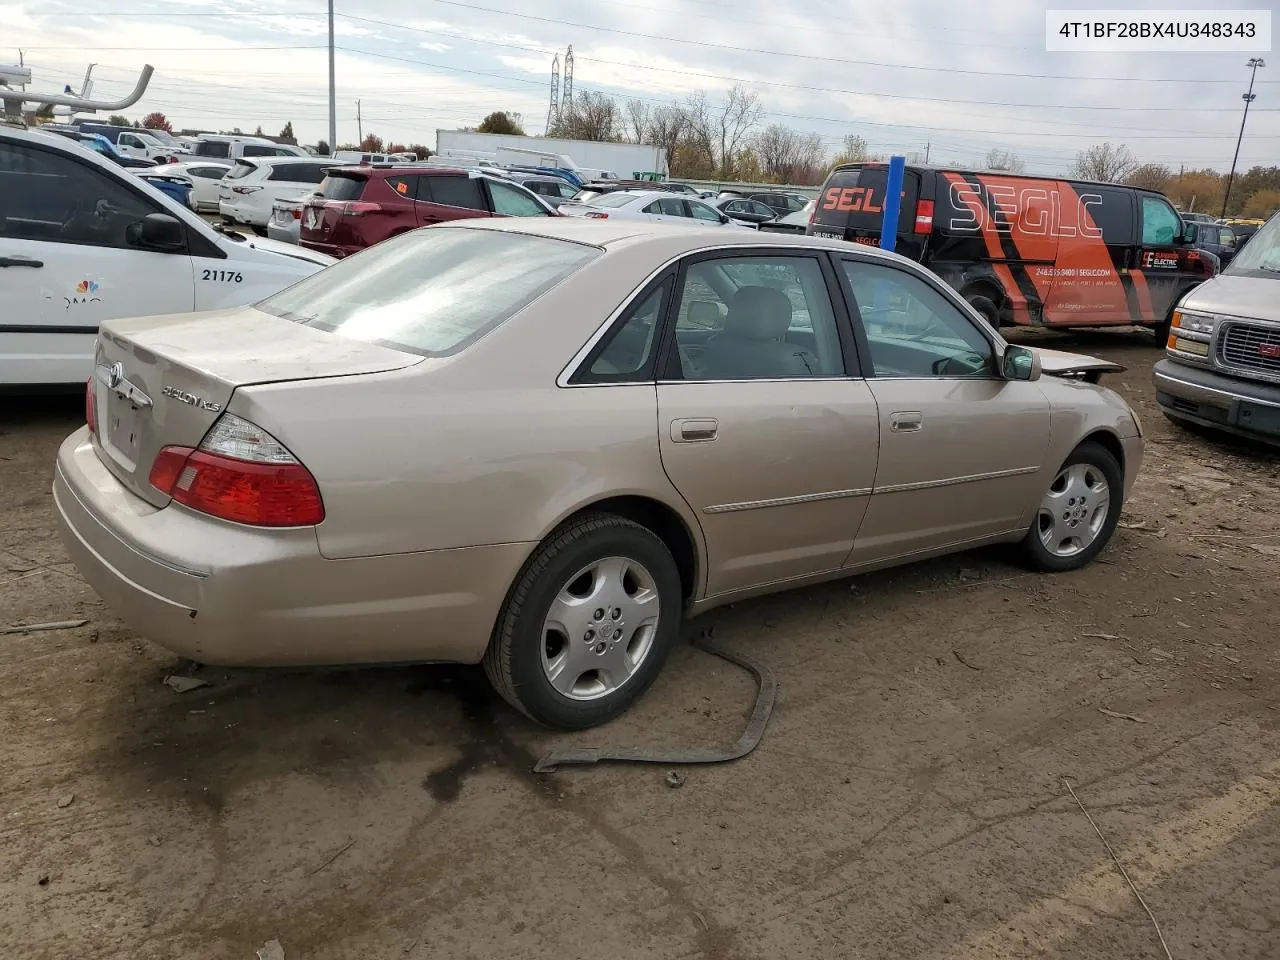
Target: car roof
679, 239
270, 161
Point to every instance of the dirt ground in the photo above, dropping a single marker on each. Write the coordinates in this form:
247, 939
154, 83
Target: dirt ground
907, 801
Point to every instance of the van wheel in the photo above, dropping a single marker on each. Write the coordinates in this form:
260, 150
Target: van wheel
587, 624
1078, 513
988, 309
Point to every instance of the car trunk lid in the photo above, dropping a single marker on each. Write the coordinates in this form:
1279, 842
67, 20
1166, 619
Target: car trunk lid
161, 381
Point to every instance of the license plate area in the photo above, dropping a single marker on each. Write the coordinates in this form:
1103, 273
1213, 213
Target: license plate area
1258, 417
828, 234
123, 429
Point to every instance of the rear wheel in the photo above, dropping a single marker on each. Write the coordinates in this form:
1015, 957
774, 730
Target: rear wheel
1078, 513
588, 624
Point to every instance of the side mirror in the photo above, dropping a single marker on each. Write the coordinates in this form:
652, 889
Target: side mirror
1019, 363
1188, 237
157, 231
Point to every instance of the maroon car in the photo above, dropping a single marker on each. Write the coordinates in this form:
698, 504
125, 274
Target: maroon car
357, 207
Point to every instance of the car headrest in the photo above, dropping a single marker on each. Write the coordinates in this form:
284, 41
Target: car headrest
758, 313
704, 313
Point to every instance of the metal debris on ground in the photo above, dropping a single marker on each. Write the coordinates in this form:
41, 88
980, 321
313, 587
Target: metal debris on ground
766, 693
180, 684
674, 780
271, 950
45, 627
1101, 636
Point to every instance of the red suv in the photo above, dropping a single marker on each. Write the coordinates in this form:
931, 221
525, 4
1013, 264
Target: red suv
357, 207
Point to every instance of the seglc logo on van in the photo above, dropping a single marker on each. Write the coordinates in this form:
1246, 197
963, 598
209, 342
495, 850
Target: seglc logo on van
190, 399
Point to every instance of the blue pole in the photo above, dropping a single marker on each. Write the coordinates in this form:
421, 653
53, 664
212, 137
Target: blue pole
892, 203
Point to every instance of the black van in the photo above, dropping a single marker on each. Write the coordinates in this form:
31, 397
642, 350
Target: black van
1028, 250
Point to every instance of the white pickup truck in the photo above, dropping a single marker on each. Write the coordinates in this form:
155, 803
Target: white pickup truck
83, 241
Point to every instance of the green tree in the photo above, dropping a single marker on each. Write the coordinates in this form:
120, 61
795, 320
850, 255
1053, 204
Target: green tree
323, 148
502, 121
287, 132
119, 120
258, 132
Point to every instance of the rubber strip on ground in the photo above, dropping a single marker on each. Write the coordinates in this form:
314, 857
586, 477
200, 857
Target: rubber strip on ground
766, 693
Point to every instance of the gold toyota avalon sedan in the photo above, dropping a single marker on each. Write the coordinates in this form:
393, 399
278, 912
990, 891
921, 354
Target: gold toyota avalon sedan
541, 445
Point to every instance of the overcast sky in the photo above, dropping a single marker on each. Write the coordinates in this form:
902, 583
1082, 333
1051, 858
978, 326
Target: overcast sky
961, 75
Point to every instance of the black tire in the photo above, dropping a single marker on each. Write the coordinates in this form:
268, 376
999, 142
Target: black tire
986, 307
513, 661
260, 231
1037, 556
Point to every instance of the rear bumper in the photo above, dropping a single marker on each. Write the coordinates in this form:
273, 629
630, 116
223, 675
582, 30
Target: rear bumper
1248, 408
285, 234
227, 594
336, 250
243, 212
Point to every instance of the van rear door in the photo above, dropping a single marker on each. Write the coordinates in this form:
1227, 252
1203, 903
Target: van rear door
851, 207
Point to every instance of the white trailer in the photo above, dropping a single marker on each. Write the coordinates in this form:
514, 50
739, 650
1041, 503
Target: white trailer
624, 159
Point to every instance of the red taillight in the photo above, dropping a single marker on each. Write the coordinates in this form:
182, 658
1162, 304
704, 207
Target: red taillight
594, 215
270, 490
924, 216
297, 213
243, 191
90, 406
357, 208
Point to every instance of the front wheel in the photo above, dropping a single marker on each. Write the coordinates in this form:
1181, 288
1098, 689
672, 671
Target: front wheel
1078, 513
588, 623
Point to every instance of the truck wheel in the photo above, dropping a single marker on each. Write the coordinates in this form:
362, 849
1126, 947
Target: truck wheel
587, 624
985, 306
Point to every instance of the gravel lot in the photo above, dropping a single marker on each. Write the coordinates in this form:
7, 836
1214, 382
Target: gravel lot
907, 801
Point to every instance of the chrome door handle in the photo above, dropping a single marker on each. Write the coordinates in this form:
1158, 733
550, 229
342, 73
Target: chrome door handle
693, 431
906, 422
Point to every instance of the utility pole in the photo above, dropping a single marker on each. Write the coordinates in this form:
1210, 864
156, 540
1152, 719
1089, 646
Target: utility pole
1254, 63
22, 64
359, 124
927, 145
333, 101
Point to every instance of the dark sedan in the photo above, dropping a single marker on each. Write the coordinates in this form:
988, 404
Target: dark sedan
752, 213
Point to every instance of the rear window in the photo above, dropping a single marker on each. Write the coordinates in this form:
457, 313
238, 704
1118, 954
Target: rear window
213, 148
259, 150
240, 170
342, 187
297, 172
854, 199
421, 291
613, 200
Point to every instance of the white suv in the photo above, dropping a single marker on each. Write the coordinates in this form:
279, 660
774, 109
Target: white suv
82, 241
246, 193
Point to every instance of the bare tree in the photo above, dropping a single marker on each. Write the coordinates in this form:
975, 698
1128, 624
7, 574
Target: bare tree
637, 120
1005, 160
1152, 176
787, 156
699, 140
668, 126
732, 123
854, 150
591, 116
1107, 162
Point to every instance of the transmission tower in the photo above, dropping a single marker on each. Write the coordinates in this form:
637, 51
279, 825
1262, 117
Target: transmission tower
553, 111
567, 103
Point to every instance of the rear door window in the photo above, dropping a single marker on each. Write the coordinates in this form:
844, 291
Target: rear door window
1160, 222
454, 192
